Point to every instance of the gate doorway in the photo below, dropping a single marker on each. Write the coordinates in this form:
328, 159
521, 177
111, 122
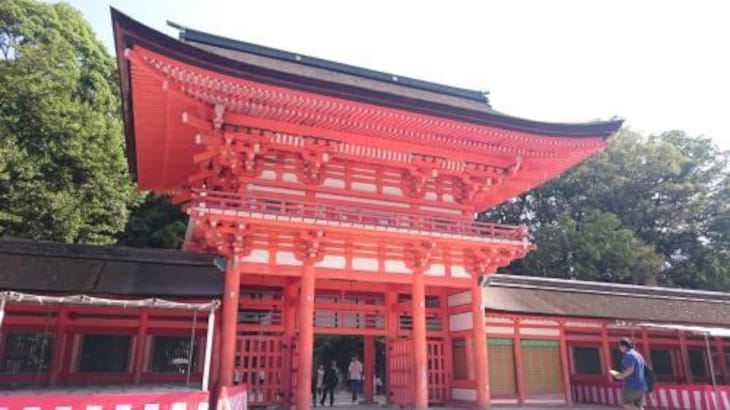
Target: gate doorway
370, 351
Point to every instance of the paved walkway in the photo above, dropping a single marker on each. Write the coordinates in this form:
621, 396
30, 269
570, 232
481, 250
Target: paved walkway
343, 402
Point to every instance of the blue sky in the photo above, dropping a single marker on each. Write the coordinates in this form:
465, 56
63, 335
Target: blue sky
659, 64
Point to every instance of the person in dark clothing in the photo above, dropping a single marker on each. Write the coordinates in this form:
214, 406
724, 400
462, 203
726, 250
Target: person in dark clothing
330, 383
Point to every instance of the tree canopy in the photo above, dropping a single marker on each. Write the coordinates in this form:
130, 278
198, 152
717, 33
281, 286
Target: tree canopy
63, 174
649, 210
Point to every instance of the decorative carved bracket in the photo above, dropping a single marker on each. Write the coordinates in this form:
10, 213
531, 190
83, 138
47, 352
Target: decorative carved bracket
315, 155
224, 237
418, 256
414, 179
484, 261
309, 247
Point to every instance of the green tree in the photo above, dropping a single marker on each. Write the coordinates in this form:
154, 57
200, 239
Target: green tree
63, 174
155, 223
671, 191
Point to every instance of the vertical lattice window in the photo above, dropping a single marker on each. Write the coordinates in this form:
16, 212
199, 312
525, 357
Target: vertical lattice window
172, 353
697, 362
661, 361
616, 358
105, 354
460, 360
541, 361
26, 353
502, 375
587, 360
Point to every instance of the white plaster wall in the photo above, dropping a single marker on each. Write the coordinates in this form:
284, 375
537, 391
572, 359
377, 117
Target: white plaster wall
268, 174
366, 264
257, 256
332, 261
394, 266
464, 394
363, 187
392, 190
458, 271
287, 258
333, 183
436, 269
538, 322
462, 298
289, 177
536, 331
460, 321
500, 330
572, 323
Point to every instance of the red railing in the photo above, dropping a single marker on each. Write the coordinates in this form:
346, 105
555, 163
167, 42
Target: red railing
665, 396
348, 215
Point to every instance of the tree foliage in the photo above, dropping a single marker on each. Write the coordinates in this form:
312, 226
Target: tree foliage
63, 174
647, 210
155, 223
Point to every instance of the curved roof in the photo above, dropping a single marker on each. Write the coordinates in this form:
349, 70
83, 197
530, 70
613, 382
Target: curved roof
560, 297
282, 68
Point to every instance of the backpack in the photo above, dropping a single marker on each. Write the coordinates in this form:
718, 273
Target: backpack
650, 378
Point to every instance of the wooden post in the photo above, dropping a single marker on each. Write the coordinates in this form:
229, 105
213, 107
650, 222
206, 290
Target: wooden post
519, 366
392, 325
607, 358
722, 368
420, 353
448, 345
565, 366
229, 322
646, 346
685, 358
481, 365
369, 367
290, 323
59, 347
306, 338
140, 346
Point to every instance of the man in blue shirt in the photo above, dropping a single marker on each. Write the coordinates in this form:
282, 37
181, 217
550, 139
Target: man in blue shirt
633, 375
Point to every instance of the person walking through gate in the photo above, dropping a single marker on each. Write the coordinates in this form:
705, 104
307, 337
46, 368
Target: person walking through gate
633, 374
329, 381
354, 371
320, 378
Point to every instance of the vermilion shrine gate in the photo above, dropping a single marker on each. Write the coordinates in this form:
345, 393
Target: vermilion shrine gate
343, 200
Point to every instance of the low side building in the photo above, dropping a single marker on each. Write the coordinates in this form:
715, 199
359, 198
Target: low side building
549, 341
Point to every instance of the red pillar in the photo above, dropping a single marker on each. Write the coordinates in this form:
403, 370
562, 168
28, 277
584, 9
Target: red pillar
59, 347
139, 347
565, 366
519, 367
722, 368
290, 322
685, 358
392, 326
229, 322
448, 343
306, 338
420, 353
607, 359
369, 367
645, 345
481, 365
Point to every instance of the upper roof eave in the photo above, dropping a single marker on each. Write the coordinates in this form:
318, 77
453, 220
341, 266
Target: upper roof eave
129, 32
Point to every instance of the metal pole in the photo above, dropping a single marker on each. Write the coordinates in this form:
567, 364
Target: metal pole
2, 312
192, 346
208, 349
712, 368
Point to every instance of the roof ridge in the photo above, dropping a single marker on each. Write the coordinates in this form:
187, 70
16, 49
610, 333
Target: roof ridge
196, 36
102, 252
516, 281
